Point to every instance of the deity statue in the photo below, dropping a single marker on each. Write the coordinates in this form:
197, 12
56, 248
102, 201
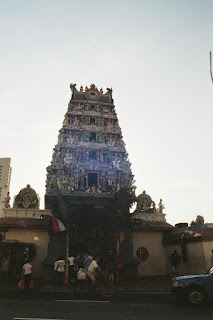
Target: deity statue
68, 158
103, 180
73, 87
144, 201
76, 122
81, 88
79, 107
66, 121
109, 125
110, 176
82, 179
70, 139
93, 190
59, 184
6, 201
160, 206
105, 109
76, 176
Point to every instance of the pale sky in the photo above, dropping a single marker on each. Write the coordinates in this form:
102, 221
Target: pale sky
155, 56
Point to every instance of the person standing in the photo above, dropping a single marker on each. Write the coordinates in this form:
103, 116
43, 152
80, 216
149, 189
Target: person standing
72, 268
5, 265
175, 261
59, 268
110, 266
27, 274
87, 261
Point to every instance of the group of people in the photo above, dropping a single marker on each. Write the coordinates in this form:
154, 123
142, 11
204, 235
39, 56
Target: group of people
84, 265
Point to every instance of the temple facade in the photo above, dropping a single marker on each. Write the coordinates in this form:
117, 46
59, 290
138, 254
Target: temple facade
90, 169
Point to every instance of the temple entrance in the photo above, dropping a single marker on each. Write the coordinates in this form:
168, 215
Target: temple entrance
92, 179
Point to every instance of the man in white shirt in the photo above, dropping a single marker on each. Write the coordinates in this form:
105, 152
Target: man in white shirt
59, 268
72, 268
27, 274
93, 271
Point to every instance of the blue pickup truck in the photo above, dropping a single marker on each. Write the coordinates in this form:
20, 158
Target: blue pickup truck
194, 288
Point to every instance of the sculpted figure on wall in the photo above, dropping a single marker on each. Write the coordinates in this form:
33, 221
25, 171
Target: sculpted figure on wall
144, 201
160, 206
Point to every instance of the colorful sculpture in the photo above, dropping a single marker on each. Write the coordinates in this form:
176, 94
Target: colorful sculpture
90, 155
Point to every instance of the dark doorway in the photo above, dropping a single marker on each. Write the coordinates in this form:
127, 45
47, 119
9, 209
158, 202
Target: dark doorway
93, 155
92, 179
92, 136
92, 120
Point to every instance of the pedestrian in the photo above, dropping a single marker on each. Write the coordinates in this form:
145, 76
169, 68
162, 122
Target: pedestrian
5, 265
79, 260
175, 261
110, 266
59, 268
27, 274
87, 261
72, 267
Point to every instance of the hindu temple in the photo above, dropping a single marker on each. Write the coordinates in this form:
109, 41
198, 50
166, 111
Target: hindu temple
89, 184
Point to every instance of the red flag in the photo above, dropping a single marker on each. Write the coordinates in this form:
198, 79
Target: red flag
58, 226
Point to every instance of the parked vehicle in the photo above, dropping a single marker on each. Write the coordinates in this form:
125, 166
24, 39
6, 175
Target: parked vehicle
194, 288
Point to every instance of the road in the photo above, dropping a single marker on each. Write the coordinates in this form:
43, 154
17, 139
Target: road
124, 307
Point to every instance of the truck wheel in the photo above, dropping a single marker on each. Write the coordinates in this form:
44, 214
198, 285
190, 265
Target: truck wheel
196, 295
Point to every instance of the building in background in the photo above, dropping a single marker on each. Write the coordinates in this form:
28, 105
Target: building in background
5, 176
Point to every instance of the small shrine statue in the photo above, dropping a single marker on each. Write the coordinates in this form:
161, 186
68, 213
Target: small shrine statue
144, 202
93, 190
66, 121
160, 206
6, 201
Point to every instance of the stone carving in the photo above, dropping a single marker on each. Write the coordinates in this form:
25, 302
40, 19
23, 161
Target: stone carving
144, 202
73, 87
27, 199
160, 206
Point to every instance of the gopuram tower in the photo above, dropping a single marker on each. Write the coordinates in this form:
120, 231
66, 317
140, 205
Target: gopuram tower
89, 183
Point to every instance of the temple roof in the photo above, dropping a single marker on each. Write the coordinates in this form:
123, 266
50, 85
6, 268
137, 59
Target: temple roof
92, 94
153, 226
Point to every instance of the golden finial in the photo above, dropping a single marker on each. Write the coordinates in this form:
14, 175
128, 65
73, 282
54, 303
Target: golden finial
101, 91
81, 88
86, 88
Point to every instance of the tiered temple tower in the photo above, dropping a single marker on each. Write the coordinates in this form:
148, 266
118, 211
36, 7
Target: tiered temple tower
90, 165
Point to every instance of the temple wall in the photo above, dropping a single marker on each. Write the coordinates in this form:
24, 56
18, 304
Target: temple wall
208, 247
39, 237
152, 241
196, 258
24, 213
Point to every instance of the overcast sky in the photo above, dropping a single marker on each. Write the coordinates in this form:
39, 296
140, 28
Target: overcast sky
155, 56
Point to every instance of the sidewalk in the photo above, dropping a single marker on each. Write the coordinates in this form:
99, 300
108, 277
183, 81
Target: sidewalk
156, 284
